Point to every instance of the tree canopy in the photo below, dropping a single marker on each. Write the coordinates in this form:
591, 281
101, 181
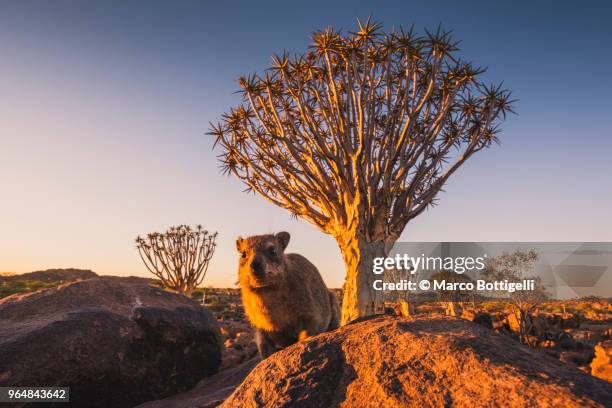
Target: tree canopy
364, 127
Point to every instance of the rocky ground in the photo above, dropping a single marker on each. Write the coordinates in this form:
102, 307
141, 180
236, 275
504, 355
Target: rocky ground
239, 345
160, 347
419, 361
573, 338
570, 331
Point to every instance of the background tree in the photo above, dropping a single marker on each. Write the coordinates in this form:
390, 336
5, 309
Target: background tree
179, 257
395, 275
358, 135
402, 299
516, 267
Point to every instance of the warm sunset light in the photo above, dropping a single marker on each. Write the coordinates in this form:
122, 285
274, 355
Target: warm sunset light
96, 102
308, 204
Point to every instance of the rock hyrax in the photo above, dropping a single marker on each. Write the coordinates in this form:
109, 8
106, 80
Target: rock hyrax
283, 295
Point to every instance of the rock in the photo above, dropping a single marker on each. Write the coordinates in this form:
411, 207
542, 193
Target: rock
468, 315
231, 329
570, 321
513, 322
556, 354
453, 309
566, 341
503, 330
53, 275
598, 331
210, 392
577, 358
418, 362
601, 366
547, 344
540, 326
597, 316
231, 358
583, 335
554, 323
483, 319
239, 343
113, 343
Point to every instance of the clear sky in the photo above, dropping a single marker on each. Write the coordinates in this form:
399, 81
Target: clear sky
104, 106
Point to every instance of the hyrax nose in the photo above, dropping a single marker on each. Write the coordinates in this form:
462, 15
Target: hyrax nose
257, 267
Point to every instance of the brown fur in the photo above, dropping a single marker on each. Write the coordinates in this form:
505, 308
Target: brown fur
283, 295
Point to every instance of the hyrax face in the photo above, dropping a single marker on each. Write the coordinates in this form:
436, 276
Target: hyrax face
262, 261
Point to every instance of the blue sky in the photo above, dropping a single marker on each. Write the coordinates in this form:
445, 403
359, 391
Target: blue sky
105, 104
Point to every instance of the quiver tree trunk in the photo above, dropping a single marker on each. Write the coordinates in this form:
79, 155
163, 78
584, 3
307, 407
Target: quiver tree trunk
359, 297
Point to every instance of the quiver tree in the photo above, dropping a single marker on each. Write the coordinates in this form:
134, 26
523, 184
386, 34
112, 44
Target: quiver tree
179, 257
515, 267
358, 135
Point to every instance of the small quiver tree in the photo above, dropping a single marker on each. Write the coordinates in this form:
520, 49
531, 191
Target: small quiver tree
358, 135
179, 257
395, 275
399, 299
516, 267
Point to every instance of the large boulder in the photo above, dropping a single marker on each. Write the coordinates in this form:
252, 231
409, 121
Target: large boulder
418, 362
114, 343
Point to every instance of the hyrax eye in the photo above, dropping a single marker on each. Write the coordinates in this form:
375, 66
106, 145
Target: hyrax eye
272, 251
243, 254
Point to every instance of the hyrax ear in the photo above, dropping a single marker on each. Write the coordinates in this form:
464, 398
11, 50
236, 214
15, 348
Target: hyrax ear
239, 242
283, 239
